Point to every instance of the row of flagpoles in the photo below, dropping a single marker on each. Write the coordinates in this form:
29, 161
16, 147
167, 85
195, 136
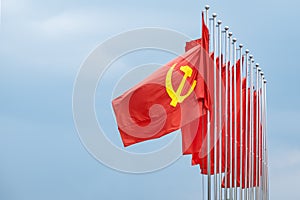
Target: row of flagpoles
220, 105
244, 132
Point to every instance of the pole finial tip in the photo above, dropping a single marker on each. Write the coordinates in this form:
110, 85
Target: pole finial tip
219, 22
226, 28
207, 7
257, 65
241, 45
247, 51
214, 15
230, 34
234, 39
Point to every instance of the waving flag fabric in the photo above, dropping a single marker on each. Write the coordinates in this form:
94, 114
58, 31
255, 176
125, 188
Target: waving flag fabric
165, 101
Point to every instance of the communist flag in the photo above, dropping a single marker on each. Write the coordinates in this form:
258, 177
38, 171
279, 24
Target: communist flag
164, 101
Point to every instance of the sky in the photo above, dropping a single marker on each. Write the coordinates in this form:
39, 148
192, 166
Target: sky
44, 43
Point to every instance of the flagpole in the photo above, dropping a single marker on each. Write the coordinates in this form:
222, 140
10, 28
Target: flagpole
208, 132
246, 127
264, 142
215, 105
266, 150
230, 119
226, 109
220, 107
241, 120
235, 116
251, 128
257, 130
262, 133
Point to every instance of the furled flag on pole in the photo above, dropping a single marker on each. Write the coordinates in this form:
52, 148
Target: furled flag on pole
164, 101
200, 157
254, 174
193, 133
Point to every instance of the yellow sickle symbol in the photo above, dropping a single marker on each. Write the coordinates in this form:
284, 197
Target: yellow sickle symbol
176, 96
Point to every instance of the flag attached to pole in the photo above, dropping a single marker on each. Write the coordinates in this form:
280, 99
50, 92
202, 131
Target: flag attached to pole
164, 101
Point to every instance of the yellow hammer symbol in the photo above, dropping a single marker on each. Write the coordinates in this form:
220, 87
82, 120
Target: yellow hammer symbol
176, 96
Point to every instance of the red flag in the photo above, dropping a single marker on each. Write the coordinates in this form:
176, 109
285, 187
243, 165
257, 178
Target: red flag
251, 176
163, 102
193, 133
204, 41
199, 150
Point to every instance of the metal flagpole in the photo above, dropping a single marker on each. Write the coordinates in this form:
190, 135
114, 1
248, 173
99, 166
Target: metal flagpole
230, 119
266, 147
226, 108
241, 120
264, 141
220, 107
235, 116
246, 129
257, 130
262, 133
208, 134
251, 128
215, 105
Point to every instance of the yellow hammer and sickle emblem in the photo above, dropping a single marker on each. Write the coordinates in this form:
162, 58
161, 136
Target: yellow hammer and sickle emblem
176, 95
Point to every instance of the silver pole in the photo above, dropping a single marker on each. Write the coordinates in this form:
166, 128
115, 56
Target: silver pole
266, 143
230, 119
226, 109
215, 105
208, 135
235, 117
265, 150
246, 129
257, 130
241, 121
262, 133
251, 129
220, 107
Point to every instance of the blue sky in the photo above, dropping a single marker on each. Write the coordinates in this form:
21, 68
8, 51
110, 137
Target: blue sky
42, 45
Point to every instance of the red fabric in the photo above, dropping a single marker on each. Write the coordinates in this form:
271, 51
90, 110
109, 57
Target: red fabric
215, 143
191, 44
196, 131
205, 35
144, 112
248, 152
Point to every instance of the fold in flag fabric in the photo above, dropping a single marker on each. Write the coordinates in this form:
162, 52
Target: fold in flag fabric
165, 101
